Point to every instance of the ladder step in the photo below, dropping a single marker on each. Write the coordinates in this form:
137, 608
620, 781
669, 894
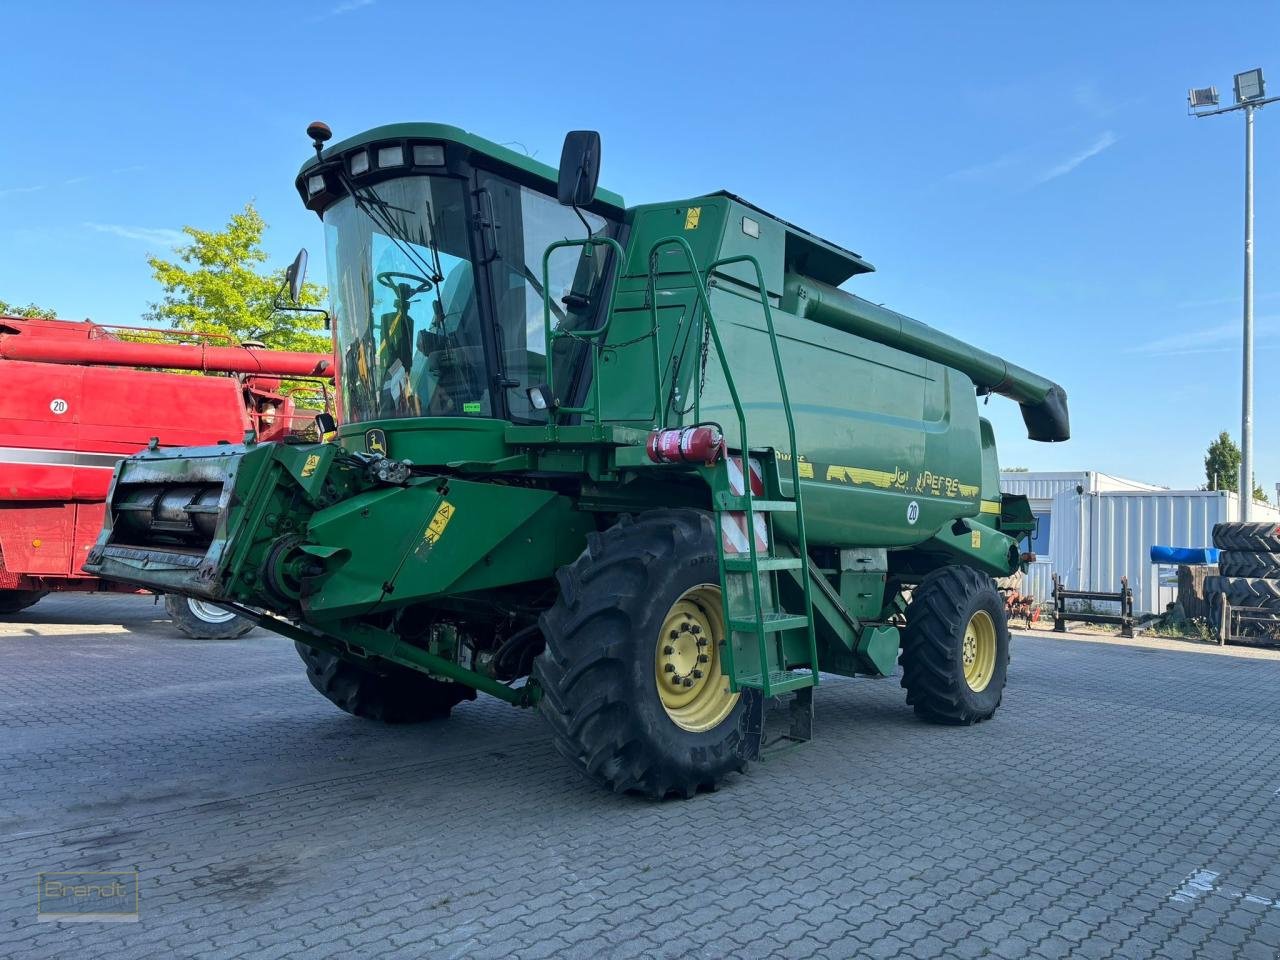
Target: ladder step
780, 681
773, 623
742, 564
759, 505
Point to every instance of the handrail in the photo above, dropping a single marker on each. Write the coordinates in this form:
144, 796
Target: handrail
791, 436
709, 319
594, 338
701, 290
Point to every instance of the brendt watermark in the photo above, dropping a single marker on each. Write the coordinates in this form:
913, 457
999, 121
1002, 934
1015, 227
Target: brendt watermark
87, 895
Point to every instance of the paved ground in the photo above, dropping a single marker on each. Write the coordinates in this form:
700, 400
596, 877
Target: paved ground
1123, 804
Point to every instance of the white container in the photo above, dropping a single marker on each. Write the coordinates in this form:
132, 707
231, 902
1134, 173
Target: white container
1040, 488
1099, 537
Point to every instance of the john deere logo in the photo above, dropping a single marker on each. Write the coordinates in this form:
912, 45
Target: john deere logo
375, 441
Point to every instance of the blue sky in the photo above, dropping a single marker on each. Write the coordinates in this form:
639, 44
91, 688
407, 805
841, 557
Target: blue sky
1023, 175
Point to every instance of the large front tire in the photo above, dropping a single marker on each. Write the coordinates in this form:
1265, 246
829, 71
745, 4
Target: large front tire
630, 700
955, 649
389, 695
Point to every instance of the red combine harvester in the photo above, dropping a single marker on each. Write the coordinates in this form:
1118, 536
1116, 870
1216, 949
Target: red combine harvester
76, 397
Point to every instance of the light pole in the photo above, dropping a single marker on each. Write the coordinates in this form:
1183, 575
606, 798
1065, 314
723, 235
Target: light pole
1250, 94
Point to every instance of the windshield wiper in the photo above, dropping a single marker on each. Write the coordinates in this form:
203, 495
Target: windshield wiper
375, 208
438, 275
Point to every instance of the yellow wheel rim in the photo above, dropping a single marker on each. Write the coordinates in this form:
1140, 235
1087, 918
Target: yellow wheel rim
979, 651
692, 686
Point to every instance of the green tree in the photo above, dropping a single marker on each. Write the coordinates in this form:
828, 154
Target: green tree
31, 310
1222, 467
215, 286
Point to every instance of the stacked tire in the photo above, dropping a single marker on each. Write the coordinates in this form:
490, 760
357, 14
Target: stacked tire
1248, 567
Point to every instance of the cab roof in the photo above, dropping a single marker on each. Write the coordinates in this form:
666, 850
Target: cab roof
445, 132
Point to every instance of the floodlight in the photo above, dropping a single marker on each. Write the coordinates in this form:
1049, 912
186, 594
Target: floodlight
1202, 97
1249, 86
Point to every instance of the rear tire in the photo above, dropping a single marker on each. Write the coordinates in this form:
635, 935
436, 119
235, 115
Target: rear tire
635, 593
389, 694
1247, 537
200, 620
955, 649
1246, 591
1236, 563
14, 601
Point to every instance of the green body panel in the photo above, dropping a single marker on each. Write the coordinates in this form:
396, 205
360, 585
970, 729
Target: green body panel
877, 430
429, 440
454, 546
491, 536
878, 650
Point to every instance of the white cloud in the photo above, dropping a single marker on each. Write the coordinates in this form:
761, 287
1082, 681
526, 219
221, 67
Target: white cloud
980, 171
9, 191
66, 183
160, 235
1070, 163
347, 6
1220, 338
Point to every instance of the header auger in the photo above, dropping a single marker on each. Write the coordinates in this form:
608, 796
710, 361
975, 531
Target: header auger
645, 468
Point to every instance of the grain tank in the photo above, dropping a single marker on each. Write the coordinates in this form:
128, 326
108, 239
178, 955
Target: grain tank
645, 468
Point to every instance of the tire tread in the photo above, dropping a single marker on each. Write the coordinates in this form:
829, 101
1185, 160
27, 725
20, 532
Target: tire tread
588, 691
931, 671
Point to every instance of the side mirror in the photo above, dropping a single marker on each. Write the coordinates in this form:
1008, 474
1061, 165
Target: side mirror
296, 274
579, 168
325, 424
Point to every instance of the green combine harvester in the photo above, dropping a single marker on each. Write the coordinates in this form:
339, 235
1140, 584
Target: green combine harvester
645, 468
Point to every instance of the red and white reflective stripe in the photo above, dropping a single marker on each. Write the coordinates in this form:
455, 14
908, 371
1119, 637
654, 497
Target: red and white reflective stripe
733, 524
735, 476
733, 531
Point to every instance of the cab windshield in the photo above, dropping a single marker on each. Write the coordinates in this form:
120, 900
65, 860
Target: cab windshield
413, 337
407, 324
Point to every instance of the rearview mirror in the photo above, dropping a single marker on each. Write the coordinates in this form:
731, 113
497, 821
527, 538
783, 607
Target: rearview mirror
579, 168
295, 274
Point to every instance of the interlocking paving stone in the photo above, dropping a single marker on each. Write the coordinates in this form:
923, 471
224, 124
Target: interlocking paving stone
1123, 803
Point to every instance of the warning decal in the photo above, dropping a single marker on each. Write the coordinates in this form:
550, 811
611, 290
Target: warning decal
444, 513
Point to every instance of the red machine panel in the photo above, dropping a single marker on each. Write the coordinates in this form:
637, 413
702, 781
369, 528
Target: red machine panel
76, 399
62, 428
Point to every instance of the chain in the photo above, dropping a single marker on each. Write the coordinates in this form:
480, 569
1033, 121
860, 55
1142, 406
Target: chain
702, 376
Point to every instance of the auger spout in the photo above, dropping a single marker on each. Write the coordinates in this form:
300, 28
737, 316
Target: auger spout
1043, 402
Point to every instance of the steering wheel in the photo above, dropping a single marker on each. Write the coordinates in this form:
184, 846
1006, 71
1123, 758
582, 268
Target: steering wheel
386, 279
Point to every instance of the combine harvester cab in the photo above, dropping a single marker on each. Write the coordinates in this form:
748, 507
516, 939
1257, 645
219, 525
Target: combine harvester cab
646, 468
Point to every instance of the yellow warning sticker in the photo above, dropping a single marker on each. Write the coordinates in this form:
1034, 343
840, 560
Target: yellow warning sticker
975, 539
692, 217
443, 514
309, 467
